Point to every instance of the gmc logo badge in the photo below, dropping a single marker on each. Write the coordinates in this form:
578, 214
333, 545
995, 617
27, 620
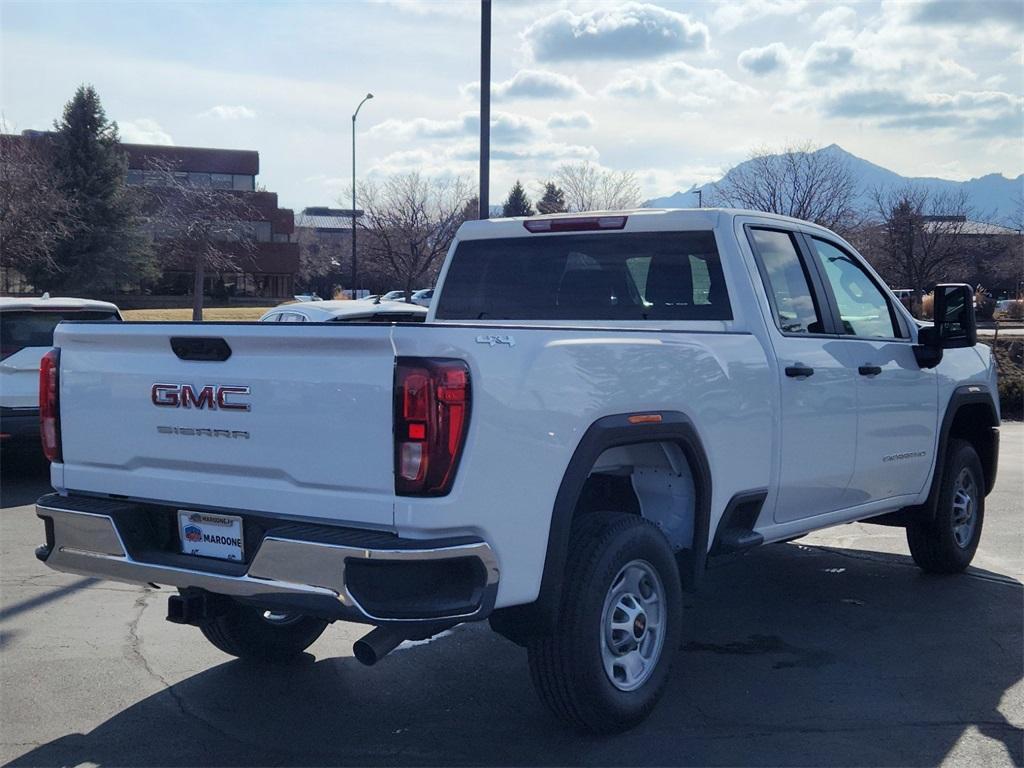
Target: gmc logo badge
212, 397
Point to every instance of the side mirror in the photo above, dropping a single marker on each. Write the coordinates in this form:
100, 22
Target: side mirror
954, 327
953, 311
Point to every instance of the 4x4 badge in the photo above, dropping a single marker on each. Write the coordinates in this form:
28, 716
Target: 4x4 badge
491, 340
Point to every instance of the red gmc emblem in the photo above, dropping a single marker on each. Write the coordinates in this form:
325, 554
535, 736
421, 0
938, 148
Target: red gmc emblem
212, 397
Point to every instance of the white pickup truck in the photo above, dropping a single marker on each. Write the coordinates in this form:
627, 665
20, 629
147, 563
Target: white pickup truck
595, 406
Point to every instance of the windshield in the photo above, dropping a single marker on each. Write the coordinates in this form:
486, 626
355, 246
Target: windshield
628, 276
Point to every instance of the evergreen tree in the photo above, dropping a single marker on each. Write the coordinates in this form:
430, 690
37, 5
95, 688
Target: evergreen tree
553, 200
104, 245
517, 203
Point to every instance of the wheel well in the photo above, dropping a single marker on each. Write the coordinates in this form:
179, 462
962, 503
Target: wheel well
975, 423
653, 480
603, 471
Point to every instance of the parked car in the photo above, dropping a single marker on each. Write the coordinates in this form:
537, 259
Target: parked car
423, 297
347, 311
393, 296
596, 407
26, 334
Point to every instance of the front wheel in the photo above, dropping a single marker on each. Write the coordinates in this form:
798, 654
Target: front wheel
605, 665
947, 543
256, 634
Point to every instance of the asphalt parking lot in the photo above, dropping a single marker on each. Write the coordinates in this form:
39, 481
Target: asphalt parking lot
831, 650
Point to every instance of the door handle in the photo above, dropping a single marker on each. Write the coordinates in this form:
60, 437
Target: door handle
869, 370
799, 371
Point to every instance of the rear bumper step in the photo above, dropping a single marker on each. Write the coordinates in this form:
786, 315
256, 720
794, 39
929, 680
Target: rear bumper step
334, 572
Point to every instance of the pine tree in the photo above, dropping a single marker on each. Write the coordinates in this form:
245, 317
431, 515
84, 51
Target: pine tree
104, 245
517, 203
553, 200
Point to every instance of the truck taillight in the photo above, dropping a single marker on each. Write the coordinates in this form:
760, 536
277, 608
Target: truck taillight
432, 398
49, 404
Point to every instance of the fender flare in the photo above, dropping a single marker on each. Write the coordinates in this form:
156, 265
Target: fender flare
612, 432
968, 394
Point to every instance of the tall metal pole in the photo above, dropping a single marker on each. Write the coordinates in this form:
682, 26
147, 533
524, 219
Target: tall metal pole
354, 115
485, 108
700, 197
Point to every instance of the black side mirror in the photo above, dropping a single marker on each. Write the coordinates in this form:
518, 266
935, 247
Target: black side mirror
955, 324
953, 311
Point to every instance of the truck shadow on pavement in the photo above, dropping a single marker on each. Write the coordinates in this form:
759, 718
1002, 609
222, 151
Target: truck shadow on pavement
796, 655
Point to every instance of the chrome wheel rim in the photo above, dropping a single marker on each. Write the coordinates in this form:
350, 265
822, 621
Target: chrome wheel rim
633, 625
964, 518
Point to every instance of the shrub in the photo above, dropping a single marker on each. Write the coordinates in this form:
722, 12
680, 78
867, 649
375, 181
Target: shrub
1010, 358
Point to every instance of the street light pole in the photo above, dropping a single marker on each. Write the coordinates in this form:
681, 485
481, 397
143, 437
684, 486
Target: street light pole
485, 109
354, 115
700, 197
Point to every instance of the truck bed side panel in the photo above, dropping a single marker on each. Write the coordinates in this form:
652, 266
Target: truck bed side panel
533, 401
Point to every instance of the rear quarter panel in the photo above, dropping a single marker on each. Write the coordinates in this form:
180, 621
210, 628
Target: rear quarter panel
534, 399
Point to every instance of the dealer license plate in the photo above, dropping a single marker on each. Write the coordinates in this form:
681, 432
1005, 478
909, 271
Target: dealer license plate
210, 535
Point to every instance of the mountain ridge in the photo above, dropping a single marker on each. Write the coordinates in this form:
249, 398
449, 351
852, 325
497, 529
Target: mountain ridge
991, 196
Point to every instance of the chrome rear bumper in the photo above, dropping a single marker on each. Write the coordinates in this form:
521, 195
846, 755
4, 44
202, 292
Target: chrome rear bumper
284, 572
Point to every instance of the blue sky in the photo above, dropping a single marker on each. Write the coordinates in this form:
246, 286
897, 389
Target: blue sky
674, 91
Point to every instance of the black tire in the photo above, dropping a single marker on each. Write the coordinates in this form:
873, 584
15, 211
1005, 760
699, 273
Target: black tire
944, 544
567, 666
243, 631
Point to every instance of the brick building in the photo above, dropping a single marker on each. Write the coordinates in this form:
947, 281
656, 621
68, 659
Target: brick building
266, 268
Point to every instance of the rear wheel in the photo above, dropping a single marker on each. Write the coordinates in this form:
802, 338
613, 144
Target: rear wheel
605, 665
947, 543
253, 633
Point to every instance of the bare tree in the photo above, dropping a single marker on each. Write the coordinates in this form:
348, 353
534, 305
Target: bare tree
34, 213
800, 181
209, 229
917, 241
410, 221
320, 259
587, 187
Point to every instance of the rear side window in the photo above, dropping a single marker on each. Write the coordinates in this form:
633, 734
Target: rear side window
796, 310
35, 329
628, 276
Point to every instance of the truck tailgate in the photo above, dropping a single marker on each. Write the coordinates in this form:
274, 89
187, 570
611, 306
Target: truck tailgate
315, 440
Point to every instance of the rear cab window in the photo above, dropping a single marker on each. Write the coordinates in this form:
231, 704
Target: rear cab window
20, 329
793, 302
618, 277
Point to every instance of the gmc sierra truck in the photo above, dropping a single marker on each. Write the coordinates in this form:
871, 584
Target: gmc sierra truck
595, 406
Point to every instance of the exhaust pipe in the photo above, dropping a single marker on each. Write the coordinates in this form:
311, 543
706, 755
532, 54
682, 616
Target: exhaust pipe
377, 644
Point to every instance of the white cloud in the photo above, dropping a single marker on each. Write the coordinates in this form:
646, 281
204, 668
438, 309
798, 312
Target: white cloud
825, 61
835, 18
765, 61
976, 114
229, 112
579, 120
144, 130
729, 14
531, 84
627, 31
944, 13
505, 126
685, 84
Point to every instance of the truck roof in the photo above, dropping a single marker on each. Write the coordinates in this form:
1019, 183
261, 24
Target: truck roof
666, 218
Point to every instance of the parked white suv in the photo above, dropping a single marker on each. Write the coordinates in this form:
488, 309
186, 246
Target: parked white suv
595, 407
26, 334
